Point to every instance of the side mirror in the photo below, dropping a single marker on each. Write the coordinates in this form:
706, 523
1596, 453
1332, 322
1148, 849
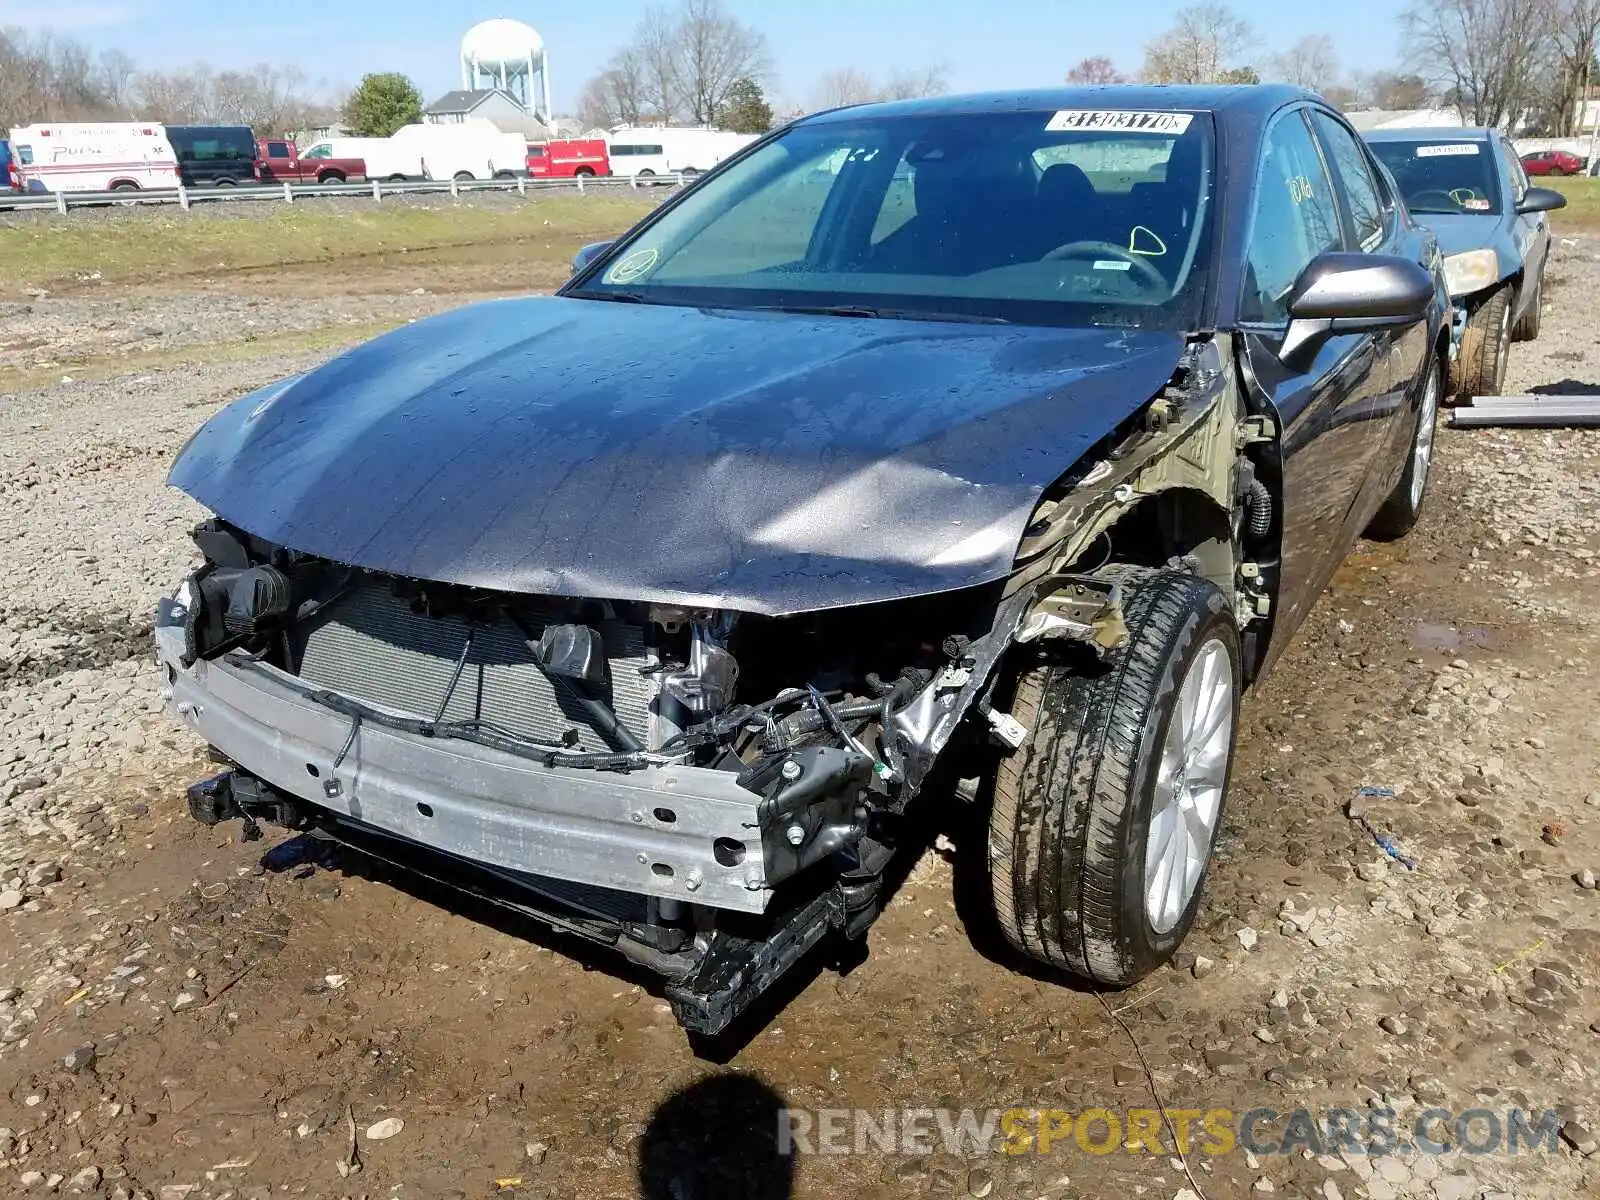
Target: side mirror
1346, 292
588, 254
1539, 199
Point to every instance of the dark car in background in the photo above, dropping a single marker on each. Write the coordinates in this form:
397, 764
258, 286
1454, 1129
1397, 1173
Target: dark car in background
214, 155
1552, 162
1468, 187
1012, 448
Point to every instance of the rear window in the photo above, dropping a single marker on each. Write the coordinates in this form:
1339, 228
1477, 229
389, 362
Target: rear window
24, 155
535, 151
1443, 176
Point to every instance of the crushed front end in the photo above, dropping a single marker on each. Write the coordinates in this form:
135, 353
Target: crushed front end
710, 793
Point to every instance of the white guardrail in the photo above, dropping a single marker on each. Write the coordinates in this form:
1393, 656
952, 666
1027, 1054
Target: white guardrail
288, 193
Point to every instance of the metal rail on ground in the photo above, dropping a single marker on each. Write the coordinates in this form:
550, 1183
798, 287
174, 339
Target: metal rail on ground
1527, 411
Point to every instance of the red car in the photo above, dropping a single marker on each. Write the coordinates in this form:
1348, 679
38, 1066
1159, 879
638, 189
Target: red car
1552, 162
565, 158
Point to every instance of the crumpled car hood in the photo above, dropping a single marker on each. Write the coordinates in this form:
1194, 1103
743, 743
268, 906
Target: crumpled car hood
765, 462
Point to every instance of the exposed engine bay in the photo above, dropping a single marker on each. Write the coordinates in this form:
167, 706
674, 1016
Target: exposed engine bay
708, 791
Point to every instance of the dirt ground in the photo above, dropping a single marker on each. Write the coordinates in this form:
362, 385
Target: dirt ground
184, 1015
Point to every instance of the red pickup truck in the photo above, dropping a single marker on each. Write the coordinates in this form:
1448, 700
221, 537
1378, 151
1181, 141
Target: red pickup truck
563, 159
280, 161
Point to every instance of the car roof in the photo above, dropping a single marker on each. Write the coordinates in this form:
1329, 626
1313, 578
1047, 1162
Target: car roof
1252, 100
1429, 133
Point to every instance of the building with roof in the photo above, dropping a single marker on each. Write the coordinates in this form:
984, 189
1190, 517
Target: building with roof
491, 104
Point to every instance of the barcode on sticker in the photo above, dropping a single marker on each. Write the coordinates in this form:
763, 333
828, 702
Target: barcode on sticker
1120, 122
1441, 151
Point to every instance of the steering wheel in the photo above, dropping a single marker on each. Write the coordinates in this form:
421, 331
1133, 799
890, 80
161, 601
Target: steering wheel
1101, 250
1435, 197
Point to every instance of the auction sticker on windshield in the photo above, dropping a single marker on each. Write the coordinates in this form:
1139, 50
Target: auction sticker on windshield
1442, 150
1121, 122
633, 266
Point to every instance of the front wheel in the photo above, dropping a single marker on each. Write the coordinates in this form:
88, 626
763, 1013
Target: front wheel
1404, 505
464, 177
330, 177
1480, 366
1103, 824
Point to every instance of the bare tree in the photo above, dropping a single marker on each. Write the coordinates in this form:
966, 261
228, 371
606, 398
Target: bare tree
1201, 46
1483, 53
847, 85
1393, 90
1575, 32
117, 71
175, 97
616, 95
715, 49
852, 85
1097, 69
655, 46
914, 85
268, 98
23, 80
44, 77
1312, 62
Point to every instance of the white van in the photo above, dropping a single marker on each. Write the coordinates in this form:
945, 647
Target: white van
665, 151
470, 149
636, 153
84, 156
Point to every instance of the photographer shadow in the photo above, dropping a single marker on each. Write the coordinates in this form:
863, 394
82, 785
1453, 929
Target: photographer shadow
717, 1139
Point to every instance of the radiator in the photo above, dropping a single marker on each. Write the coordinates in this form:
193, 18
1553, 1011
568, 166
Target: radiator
371, 645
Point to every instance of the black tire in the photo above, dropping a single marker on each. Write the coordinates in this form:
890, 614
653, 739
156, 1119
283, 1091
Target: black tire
584, 172
1072, 808
1480, 366
222, 183
1404, 505
1527, 327
124, 185
330, 177
465, 177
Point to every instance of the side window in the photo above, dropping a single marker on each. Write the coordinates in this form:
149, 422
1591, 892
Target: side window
1519, 177
1361, 189
1296, 218
317, 152
277, 149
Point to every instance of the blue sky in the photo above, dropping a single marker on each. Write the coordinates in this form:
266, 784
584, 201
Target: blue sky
984, 43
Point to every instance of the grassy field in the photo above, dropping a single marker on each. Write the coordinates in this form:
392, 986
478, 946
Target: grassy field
1582, 213
161, 245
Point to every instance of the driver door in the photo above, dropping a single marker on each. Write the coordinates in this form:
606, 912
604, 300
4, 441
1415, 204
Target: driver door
1324, 412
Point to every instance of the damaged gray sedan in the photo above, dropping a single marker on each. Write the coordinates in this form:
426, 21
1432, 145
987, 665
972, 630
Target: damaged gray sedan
996, 438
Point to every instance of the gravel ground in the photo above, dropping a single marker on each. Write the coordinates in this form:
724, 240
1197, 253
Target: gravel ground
65, 333
181, 1017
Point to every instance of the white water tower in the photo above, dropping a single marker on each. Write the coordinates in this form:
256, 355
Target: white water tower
508, 54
